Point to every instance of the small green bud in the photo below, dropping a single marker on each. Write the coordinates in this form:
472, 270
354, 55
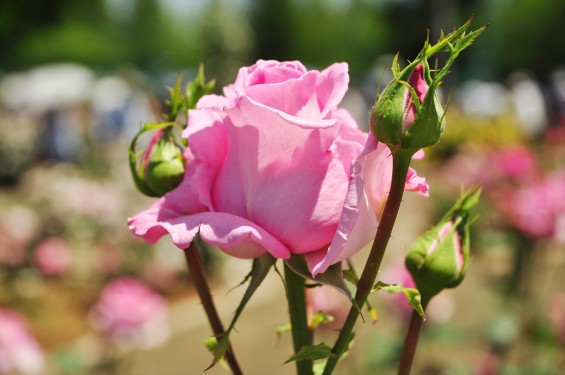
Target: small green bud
407, 114
439, 259
165, 164
161, 168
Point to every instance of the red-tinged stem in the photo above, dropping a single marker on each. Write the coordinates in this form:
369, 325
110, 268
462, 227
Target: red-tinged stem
410, 344
401, 162
200, 283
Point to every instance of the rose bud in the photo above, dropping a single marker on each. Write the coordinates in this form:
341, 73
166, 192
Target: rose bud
162, 165
407, 114
440, 257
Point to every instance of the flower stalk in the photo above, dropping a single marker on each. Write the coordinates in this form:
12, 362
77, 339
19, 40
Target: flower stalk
196, 269
301, 335
410, 344
401, 163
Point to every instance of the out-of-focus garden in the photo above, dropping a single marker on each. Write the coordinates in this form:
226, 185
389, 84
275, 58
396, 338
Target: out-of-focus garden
78, 79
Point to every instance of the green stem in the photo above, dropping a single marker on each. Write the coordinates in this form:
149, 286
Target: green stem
200, 283
401, 162
410, 344
301, 335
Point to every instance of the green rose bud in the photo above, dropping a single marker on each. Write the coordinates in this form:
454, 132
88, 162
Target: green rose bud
439, 259
162, 166
160, 169
407, 114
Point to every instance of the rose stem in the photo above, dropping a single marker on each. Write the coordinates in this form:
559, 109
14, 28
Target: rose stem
196, 269
301, 335
401, 162
410, 343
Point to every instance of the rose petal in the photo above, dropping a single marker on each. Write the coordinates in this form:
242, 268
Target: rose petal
234, 235
286, 179
369, 184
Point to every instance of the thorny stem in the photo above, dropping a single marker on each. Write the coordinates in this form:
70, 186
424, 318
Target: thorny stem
199, 278
301, 335
410, 344
401, 162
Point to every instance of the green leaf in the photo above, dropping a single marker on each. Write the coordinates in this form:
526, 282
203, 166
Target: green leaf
259, 271
351, 275
312, 353
373, 313
320, 318
176, 100
468, 39
196, 89
332, 277
412, 295
282, 329
211, 343
319, 367
395, 66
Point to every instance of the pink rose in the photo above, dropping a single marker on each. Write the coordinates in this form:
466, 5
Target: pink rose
19, 351
268, 168
129, 312
53, 256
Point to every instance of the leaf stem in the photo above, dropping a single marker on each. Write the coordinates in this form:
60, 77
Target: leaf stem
196, 269
410, 343
301, 335
401, 162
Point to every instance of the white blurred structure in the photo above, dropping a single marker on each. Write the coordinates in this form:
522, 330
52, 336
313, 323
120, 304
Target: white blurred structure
528, 103
484, 99
47, 87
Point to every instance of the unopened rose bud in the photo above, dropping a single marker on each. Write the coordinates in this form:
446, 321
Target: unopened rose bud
407, 113
162, 166
440, 257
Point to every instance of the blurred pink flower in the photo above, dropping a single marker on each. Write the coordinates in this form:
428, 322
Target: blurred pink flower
516, 162
19, 351
128, 312
52, 256
537, 209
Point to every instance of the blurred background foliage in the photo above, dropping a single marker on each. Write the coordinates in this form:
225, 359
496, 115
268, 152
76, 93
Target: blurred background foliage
164, 35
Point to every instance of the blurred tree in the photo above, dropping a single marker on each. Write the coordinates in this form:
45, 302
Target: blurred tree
273, 24
525, 34
20, 19
226, 41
